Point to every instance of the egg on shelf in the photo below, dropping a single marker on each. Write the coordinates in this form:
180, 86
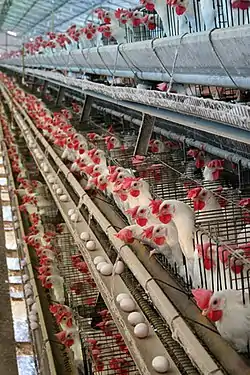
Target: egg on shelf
51, 180
33, 325
99, 265
127, 305
91, 245
106, 269
135, 318
71, 211
64, 198
141, 330
74, 217
98, 260
119, 268
59, 191
122, 296
55, 187
160, 364
85, 236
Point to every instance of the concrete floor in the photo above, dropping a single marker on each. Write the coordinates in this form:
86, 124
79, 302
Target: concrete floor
8, 364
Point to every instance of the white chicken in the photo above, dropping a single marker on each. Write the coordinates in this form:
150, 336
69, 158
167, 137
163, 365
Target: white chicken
183, 217
231, 316
58, 287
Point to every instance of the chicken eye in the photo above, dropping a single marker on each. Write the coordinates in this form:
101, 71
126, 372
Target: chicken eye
215, 302
135, 184
157, 230
204, 194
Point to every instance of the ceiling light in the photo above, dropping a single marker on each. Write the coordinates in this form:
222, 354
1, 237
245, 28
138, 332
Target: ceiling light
12, 33
31, 39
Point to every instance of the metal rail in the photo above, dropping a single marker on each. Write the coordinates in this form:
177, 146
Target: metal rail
219, 118
188, 340
150, 347
154, 59
46, 343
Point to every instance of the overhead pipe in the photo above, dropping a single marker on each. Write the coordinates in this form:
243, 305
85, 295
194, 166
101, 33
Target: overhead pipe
181, 138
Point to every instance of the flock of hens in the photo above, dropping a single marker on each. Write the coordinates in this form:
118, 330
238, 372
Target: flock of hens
114, 24
167, 227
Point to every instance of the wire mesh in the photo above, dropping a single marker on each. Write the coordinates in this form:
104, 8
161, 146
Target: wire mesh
229, 113
100, 338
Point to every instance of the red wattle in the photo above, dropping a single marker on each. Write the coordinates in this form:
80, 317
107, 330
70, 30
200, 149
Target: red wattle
142, 221
135, 193
159, 240
215, 315
165, 218
198, 205
180, 10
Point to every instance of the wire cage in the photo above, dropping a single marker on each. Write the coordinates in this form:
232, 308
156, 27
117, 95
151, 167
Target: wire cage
100, 339
221, 234
224, 16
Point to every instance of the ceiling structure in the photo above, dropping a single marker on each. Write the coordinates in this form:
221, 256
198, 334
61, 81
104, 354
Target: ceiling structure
28, 18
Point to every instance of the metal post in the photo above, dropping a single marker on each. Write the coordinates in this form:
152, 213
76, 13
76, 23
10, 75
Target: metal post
45, 86
145, 132
60, 95
8, 364
87, 106
33, 87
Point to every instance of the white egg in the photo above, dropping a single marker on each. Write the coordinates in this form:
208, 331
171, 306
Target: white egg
64, 198
135, 318
30, 301
40, 156
51, 180
106, 269
33, 318
160, 364
16, 225
99, 265
85, 236
71, 211
46, 169
141, 330
34, 307
27, 286
98, 260
23, 263
55, 187
33, 325
119, 268
74, 217
59, 191
90, 245
127, 304
28, 292
121, 296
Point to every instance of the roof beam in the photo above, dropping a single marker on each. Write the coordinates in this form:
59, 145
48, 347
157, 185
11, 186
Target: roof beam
25, 13
60, 5
4, 11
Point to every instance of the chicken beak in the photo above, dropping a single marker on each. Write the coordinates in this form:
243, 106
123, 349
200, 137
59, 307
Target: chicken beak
152, 252
204, 312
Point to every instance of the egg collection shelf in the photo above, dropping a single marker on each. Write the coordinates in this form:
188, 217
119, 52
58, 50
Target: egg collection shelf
160, 304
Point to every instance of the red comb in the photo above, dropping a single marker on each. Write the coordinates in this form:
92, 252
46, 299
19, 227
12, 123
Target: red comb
202, 297
155, 206
148, 232
133, 211
194, 193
